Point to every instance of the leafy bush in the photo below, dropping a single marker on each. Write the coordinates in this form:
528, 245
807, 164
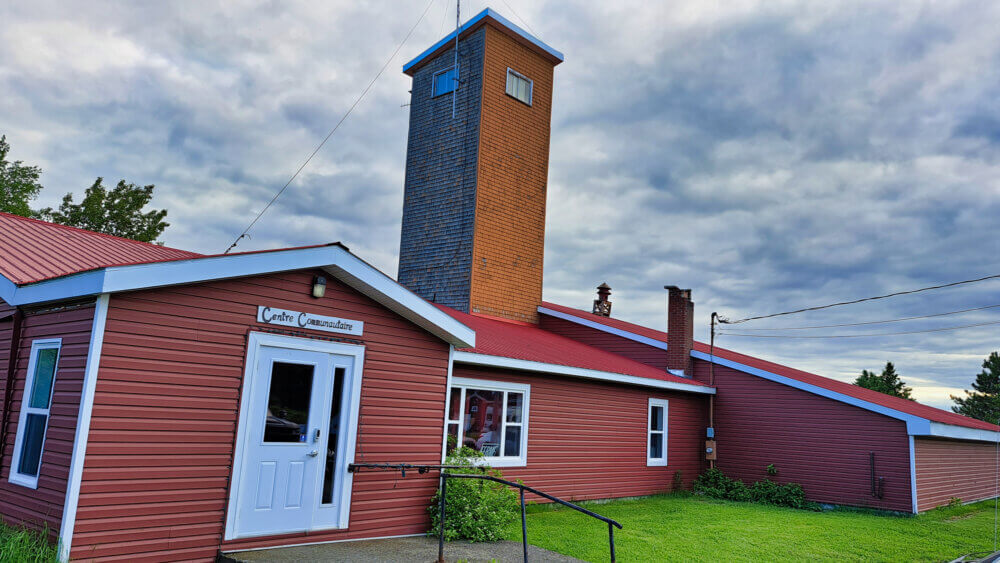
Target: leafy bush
475, 510
714, 483
678, 481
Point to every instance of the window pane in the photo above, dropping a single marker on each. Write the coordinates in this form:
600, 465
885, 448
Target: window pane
511, 87
522, 90
656, 446
512, 441
483, 410
452, 437
45, 368
288, 402
455, 405
656, 418
444, 82
31, 447
329, 471
514, 404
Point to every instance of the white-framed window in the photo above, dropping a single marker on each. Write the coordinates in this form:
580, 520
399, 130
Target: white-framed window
519, 86
656, 433
34, 417
490, 417
444, 81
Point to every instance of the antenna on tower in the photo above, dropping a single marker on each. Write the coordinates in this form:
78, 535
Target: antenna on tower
458, 25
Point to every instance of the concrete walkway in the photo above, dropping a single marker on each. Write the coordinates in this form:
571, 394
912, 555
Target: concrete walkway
409, 550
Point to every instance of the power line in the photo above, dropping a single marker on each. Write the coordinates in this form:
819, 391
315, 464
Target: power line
519, 18
332, 131
908, 292
874, 322
868, 335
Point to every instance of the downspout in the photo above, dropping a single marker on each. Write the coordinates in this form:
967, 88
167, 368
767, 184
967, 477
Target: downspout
8, 396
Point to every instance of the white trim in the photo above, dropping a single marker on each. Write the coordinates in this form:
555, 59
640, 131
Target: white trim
557, 369
283, 546
83, 427
604, 328
334, 259
913, 475
37, 345
941, 430
505, 387
664, 404
447, 402
255, 341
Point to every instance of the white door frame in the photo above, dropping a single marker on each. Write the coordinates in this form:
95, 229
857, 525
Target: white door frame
351, 388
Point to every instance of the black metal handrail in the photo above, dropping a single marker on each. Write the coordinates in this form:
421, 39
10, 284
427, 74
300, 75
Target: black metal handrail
612, 524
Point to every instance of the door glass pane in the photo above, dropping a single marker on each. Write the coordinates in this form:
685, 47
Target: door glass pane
332, 435
512, 441
656, 418
31, 446
656, 446
452, 437
288, 402
455, 404
514, 403
45, 368
483, 410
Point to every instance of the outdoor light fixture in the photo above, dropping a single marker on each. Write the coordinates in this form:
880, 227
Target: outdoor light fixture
319, 287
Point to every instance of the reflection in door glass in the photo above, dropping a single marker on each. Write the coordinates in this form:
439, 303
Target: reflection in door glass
288, 402
329, 472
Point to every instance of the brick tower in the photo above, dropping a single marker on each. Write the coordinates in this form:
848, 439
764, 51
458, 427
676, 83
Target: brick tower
477, 163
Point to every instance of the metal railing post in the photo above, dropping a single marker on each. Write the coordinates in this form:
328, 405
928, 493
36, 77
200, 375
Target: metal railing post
444, 496
524, 526
611, 538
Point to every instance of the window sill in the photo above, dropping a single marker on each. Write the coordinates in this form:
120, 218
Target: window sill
656, 462
27, 482
502, 461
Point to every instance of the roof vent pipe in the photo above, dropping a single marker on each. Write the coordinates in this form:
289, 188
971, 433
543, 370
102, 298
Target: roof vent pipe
602, 306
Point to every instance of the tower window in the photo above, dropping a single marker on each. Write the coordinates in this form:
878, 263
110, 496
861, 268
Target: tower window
445, 81
519, 86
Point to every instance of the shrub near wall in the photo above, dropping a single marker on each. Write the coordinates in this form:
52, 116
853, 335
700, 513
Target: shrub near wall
714, 483
476, 510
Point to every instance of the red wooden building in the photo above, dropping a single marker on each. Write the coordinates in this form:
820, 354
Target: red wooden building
163, 404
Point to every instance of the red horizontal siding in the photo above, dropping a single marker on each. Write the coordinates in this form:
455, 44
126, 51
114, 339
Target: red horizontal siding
948, 469
587, 440
819, 443
155, 483
42, 507
649, 355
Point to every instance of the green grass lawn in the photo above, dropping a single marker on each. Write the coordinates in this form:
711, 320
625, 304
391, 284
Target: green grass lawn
25, 546
693, 528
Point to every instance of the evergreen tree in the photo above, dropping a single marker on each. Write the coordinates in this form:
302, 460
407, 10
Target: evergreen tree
983, 402
887, 382
117, 211
18, 183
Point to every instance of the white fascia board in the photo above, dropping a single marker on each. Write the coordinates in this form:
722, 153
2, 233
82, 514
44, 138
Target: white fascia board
915, 425
603, 328
941, 430
339, 262
557, 369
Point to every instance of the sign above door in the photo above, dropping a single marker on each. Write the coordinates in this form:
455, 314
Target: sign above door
297, 319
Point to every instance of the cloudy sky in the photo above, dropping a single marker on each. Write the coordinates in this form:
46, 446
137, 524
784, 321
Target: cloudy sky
769, 155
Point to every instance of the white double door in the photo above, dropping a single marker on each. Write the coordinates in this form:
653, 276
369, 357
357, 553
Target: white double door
297, 427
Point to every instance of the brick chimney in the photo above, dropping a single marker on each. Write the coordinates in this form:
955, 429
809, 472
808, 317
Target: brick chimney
602, 306
680, 329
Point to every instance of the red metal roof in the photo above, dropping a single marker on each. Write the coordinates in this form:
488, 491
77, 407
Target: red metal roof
33, 250
496, 337
909, 407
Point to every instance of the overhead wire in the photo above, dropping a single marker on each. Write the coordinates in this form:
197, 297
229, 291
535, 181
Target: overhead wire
901, 319
334, 130
866, 335
519, 18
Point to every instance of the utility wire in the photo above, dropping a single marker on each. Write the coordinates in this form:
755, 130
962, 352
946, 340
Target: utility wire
867, 335
908, 292
332, 131
873, 322
519, 18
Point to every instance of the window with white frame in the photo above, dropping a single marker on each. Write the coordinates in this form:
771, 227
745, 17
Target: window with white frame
656, 433
444, 81
490, 417
34, 417
519, 86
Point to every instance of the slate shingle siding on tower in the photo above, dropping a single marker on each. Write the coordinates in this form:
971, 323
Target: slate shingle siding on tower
440, 195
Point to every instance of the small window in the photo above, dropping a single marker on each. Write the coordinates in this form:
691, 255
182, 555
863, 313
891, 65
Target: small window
34, 417
656, 443
490, 417
445, 81
519, 86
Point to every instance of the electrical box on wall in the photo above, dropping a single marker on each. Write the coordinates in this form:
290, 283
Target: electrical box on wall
710, 449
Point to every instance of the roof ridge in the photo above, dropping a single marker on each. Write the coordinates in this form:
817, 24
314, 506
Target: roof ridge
88, 232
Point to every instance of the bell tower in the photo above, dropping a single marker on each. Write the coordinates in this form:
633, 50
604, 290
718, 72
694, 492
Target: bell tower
477, 162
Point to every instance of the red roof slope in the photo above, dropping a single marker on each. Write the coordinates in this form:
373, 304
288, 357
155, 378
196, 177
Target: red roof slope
909, 407
33, 250
506, 339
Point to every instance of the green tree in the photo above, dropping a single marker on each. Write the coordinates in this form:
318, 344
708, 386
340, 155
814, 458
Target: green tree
18, 183
117, 211
887, 382
983, 402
